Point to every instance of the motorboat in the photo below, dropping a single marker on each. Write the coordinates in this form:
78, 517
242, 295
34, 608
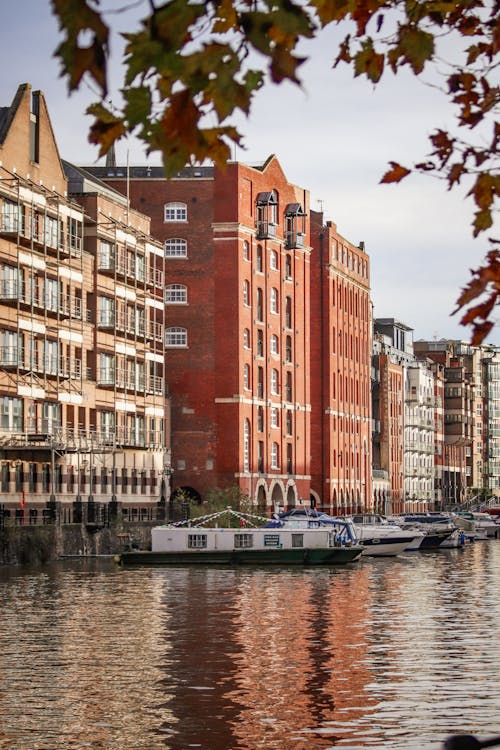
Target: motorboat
380, 538
372, 531
482, 525
196, 542
436, 527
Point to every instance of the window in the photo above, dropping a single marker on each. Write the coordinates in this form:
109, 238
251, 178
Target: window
246, 293
260, 382
175, 248
260, 342
197, 541
175, 211
106, 256
275, 456
51, 294
107, 369
51, 232
275, 345
260, 305
273, 301
51, 417
106, 312
273, 260
275, 420
175, 337
11, 414
12, 217
289, 422
288, 349
107, 425
246, 338
288, 267
288, 387
297, 540
246, 250
259, 259
176, 294
260, 419
246, 377
288, 312
11, 350
12, 282
274, 382
242, 541
50, 357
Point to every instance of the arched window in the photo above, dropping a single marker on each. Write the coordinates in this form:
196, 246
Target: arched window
274, 382
246, 250
246, 338
246, 377
175, 248
175, 211
273, 260
275, 345
246, 293
275, 456
273, 301
275, 419
176, 337
176, 294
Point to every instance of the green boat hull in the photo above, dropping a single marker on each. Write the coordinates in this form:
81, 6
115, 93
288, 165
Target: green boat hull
299, 556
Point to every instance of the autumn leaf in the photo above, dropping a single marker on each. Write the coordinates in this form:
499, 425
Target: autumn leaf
396, 174
416, 46
370, 62
106, 129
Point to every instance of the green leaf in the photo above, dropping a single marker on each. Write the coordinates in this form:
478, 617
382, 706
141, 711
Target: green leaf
416, 46
369, 62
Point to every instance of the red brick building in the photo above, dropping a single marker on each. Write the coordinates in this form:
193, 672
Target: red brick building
340, 371
237, 269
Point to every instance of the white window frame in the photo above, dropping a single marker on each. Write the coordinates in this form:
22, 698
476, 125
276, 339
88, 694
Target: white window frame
246, 338
246, 293
175, 211
275, 418
275, 456
176, 338
273, 301
274, 382
273, 260
275, 345
175, 247
176, 294
246, 377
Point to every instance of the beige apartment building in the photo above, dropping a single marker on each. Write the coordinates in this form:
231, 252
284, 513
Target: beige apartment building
84, 414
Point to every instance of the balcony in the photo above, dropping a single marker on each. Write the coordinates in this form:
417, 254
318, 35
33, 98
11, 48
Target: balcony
265, 230
294, 240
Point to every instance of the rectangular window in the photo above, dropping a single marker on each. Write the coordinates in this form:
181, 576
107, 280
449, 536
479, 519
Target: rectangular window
197, 541
243, 541
297, 540
11, 415
106, 256
51, 232
51, 294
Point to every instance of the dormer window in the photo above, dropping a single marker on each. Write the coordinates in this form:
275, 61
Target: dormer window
295, 226
267, 215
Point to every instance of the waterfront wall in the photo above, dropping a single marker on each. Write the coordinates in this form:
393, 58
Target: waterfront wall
36, 545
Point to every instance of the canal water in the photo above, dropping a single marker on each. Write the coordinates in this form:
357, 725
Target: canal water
386, 653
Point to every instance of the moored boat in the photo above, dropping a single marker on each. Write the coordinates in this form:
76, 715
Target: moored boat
194, 543
382, 539
437, 527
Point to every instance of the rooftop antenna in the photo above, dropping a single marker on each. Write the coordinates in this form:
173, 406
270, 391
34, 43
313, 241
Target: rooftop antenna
111, 157
320, 201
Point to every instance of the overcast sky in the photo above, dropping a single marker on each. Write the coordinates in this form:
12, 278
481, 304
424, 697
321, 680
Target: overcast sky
334, 137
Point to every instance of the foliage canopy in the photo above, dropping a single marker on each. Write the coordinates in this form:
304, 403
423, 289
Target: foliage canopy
193, 64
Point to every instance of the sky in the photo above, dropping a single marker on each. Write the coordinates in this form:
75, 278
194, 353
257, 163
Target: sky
334, 136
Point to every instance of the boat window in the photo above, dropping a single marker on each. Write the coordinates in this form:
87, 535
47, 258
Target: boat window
297, 540
243, 540
197, 541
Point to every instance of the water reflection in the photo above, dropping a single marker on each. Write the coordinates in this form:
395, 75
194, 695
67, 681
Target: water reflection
393, 653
